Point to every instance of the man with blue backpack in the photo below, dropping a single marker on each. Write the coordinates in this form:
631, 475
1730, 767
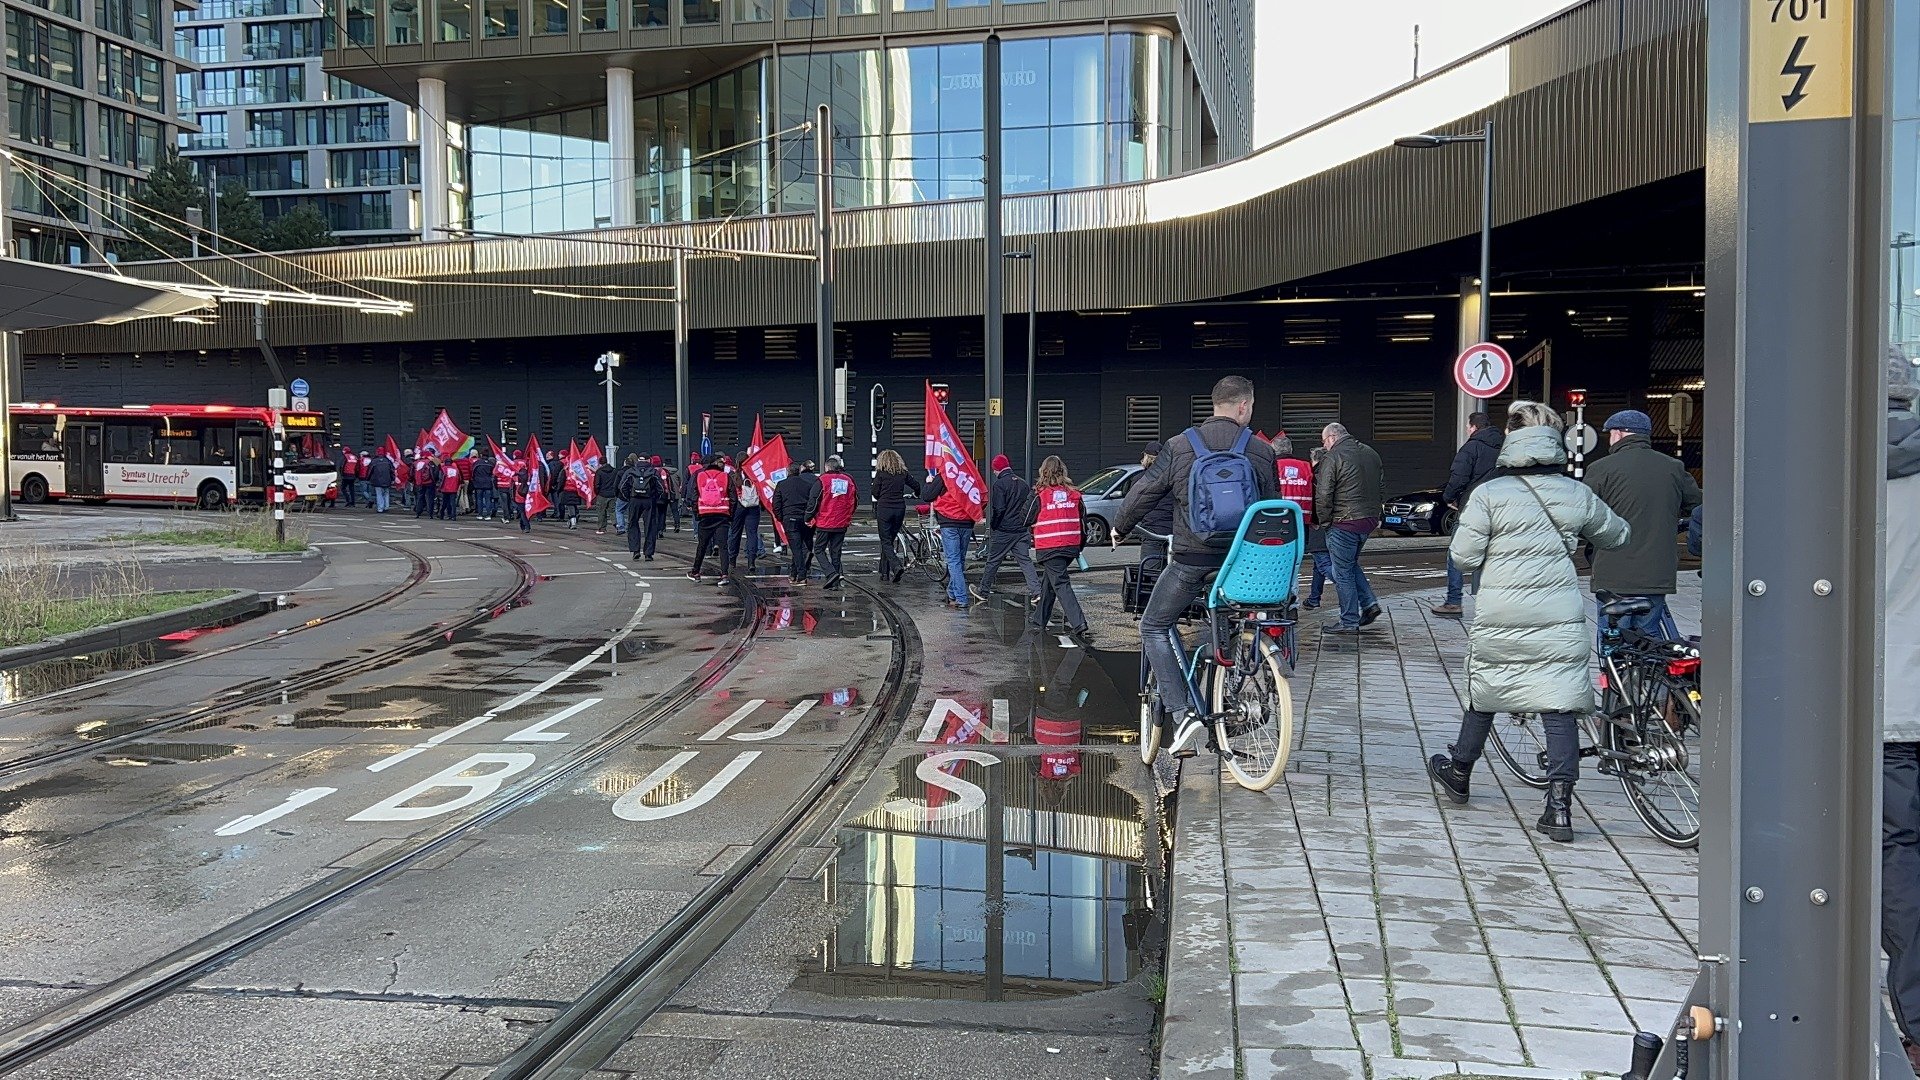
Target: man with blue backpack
1215, 471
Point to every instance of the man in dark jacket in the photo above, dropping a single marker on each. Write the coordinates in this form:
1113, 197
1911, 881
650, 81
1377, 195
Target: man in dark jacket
1346, 499
1194, 557
1472, 464
1008, 523
791, 499
1654, 493
1159, 521
606, 480
380, 475
485, 484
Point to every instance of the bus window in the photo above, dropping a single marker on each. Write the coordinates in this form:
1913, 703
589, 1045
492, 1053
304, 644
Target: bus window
36, 439
216, 445
131, 443
180, 448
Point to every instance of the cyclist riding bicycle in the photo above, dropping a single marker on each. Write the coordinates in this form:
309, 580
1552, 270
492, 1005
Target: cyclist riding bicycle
1236, 471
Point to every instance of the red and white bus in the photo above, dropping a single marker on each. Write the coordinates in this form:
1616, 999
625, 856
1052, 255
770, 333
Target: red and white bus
207, 455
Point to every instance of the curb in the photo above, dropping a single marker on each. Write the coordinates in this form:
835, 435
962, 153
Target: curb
134, 631
1197, 1036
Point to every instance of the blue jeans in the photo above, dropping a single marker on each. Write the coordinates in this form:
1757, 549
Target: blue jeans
483, 502
1178, 586
620, 515
382, 498
1356, 596
954, 539
1656, 623
1322, 573
746, 530
449, 505
1456, 583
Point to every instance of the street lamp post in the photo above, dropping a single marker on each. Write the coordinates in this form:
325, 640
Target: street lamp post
1484, 137
1033, 341
607, 363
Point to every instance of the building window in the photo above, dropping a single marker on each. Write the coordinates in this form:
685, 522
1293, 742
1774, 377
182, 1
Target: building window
1306, 414
261, 172
285, 40
598, 15
206, 44
69, 8
360, 20
502, 17
745, 11
549, 16
339, 89
1403, 416
695, 12
212, 134
1052, 419
129, 76
43, 48
34, 192
1143, 419
386, 167
370, 211
455, 19
129, 140
141, 20
403, 22
47, 117
630, 427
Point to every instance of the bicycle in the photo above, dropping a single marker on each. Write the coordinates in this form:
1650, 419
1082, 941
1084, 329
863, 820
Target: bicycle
1646, 733
922, 548
1248, 653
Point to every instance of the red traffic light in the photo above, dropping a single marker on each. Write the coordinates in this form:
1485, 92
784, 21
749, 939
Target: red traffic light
940, 392
1576, 398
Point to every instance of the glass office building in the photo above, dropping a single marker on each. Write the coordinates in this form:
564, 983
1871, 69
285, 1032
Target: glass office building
538, 116
271, 118
89, 107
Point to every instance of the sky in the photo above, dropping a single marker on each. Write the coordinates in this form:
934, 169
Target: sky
1359, 48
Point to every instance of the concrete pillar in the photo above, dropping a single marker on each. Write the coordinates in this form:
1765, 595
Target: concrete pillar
433, 159
620, 144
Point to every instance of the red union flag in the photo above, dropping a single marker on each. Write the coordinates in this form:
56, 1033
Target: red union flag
593, 454
766, 467
536, 501
502, 464
579, 475
947, 458
447, 438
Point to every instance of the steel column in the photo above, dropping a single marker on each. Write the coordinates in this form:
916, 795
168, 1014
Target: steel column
9, 351
995, 337
823, 264
1795, 340
680, 332
1033, 351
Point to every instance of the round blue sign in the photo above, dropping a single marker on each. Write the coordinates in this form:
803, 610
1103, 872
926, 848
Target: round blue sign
299, 388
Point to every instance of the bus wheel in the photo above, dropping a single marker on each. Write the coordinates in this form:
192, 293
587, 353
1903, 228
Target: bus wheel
33, 490
212, 496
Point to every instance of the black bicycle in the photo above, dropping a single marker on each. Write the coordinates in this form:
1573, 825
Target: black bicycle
1646, 734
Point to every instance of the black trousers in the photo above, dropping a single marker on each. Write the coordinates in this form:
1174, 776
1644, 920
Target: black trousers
1001, 546
890, 522
800, 543
712, 534
1900, 880
829, 541
1055, 585
636, 532
656, 521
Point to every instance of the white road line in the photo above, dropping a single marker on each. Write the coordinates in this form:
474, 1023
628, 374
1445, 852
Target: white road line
785, 725
445, 557
521, 699
339, 543
575, 573
730, 722
417, 540
446, 580
537, 732
293, 802
997, 730
390, 558
323, 588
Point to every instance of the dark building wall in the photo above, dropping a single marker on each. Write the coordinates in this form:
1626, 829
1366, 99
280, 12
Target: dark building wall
1093, 363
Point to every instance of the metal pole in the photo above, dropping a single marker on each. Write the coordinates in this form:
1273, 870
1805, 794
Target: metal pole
279, 478
680, 404
1796, 335
995, 338
823, 263
1033, 349
1486, 232
9, 345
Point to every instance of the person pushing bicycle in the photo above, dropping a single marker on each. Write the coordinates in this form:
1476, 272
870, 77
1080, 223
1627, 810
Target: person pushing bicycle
1237, 470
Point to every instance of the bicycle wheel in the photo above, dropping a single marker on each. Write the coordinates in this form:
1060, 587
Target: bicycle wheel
927, 560
1660, 769
1522, 747
1254, 721
1152, 720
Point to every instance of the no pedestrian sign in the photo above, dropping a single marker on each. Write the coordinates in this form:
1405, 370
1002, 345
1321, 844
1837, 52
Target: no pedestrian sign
1799, 60
1483, 371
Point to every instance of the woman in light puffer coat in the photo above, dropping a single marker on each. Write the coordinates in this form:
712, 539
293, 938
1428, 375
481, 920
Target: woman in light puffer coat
1529, 648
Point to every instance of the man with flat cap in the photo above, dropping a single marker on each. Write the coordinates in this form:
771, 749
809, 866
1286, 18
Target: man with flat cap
1655, 494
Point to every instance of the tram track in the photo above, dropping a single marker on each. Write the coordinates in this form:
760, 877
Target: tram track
264, 691
575, 1042
99, 1008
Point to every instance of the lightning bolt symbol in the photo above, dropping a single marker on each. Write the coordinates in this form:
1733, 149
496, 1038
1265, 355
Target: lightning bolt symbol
1801, 73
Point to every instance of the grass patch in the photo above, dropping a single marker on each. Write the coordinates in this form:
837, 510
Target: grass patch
229, 529
71, 615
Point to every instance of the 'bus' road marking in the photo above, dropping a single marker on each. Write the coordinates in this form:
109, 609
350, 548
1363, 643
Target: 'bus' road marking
537, 732
947, 709
932, 771
630, 807
780, 727
520, 699
479, 786
293, 802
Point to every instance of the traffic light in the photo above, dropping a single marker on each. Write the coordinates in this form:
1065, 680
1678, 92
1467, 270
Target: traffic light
1576, 398
940, 393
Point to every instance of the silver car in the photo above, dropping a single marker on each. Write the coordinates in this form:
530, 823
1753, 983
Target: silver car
1102, 496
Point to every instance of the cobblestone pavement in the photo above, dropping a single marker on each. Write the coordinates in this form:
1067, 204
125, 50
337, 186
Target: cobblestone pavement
1366, 930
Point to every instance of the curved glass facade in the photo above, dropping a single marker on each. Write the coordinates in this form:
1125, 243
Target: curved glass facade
1079, 110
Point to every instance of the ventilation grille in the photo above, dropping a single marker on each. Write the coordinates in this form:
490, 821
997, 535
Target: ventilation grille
726, 428
909, 422
1404, 327
1220, 335
474, 422
546, 425
1310, 330
726, 345
912, 345
1604, 321
630, 428
784, 419
1143, 419
1308, 413
1403, 416
1199, 409
670, 429
1052, 344
1052, 418
969, 344
783, 345
510, 426
366, 428
1143, 338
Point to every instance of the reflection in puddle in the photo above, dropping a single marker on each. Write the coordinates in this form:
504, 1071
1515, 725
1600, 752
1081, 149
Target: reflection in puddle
48, 676
1040, 891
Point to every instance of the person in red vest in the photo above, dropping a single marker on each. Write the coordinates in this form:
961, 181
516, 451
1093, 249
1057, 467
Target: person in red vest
450, 490
350, 475
1296, 483
365, 477
831, 515
713, 512
1056, 543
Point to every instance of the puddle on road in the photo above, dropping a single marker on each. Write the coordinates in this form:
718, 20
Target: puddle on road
1036, 886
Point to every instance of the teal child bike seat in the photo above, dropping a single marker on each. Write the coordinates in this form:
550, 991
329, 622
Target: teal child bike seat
1263, 564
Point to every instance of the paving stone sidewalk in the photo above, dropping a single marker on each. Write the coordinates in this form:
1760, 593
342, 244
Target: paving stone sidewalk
1366, 930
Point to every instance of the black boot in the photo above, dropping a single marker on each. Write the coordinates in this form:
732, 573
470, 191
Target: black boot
1556, 822
1451, 775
